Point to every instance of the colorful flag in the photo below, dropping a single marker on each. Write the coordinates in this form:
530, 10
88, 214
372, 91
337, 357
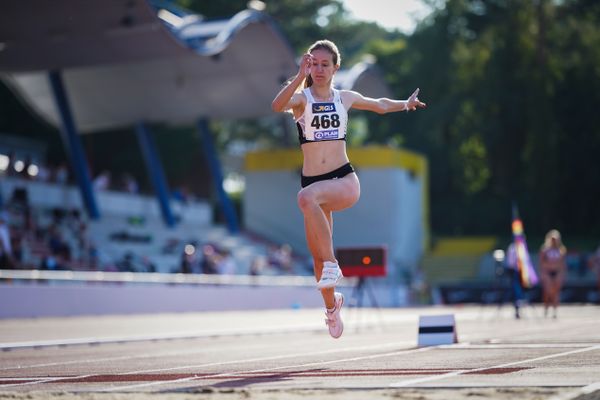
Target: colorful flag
528, 276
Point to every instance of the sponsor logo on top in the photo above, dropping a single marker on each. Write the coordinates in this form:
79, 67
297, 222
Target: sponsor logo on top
318, 108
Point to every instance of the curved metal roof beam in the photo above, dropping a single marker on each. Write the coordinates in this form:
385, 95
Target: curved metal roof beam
224, 37
364, 77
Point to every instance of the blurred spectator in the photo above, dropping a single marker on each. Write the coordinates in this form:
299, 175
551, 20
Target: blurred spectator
281, 258
129, 183
594, 265
19, 198
180, 194
43, 174
19, 204
171, 246
83, 245
512, 269
93, 256
6, 253
53, 263
24, 173
126, 263
419, 287
61, 174
57, 245
226, 263
209, 260
102, 181
18, 252
189, 260
553, 268
258, 266
10, 169
148, 265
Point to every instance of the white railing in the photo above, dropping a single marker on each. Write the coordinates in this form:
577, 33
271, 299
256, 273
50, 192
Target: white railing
162, 278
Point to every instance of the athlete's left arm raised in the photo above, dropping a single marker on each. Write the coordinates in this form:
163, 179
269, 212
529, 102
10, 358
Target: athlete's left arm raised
382, 105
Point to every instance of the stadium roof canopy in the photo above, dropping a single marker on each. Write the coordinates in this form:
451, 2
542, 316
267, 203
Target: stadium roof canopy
125, 61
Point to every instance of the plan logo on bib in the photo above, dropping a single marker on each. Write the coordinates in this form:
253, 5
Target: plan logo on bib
327, 135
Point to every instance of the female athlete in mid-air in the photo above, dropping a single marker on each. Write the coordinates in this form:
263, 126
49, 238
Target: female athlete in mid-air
328, 180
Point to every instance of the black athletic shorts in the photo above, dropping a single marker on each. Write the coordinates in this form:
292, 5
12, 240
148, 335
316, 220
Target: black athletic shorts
335, 174
553, 274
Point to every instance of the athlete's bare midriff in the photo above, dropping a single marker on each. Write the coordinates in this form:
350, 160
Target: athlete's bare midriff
551, 263
323, 157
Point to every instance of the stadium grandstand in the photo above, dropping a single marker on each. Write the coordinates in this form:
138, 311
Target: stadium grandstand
139, 63
134, 64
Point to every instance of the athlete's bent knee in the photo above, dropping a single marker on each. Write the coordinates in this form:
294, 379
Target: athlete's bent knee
305, 200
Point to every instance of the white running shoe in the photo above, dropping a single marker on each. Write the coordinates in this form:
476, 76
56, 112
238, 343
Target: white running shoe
334, 319
330, 276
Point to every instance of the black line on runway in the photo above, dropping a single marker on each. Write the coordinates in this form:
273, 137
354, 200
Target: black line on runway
436, 329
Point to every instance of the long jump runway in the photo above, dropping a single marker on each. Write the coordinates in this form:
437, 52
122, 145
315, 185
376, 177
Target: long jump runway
288, 354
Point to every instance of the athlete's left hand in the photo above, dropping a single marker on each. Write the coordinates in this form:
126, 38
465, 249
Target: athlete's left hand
413, 102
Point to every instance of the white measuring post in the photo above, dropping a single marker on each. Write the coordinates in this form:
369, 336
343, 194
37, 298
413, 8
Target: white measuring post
435, 330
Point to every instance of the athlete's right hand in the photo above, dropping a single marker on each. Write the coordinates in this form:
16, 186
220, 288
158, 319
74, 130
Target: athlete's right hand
305, 65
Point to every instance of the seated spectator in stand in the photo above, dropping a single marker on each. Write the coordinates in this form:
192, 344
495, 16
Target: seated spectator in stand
19, 204
93, 257
17, 248
19, 198
57, 245
43, 174
281, 258
209, 260
148, 265
226, 263
6, 254
12, 159
171, 246
102, 181
126, 264
130, 184
259, 265
189, 260
53, 262
61, 174
24, 173
179, 194
83, 244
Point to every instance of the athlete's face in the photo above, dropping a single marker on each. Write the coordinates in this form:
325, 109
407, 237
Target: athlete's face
323, 67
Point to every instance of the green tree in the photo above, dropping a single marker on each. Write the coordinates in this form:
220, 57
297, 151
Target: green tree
506, 82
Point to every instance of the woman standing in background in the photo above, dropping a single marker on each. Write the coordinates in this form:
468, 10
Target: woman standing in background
553, 268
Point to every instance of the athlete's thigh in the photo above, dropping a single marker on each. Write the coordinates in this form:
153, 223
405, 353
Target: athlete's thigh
336, 194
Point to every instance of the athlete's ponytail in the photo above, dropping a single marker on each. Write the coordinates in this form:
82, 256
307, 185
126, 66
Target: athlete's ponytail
308, 81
